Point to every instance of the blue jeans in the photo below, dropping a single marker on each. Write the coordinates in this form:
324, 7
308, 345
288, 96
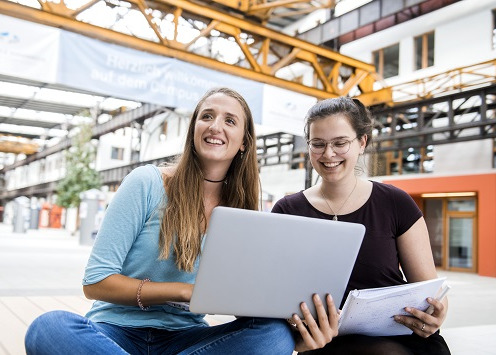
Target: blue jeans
61, 332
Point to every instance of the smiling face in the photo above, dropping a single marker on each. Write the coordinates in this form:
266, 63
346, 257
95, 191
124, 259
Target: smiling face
330, 166
219, 130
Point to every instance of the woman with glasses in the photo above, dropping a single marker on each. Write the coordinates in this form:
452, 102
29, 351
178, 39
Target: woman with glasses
396, 244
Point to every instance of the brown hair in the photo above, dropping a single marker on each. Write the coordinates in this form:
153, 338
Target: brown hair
358, 115
184, 220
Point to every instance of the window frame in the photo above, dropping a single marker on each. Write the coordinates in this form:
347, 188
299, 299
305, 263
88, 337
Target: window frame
424, 62
119, 153
380, 66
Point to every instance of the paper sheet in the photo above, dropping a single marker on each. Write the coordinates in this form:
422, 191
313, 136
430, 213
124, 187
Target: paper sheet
371, 311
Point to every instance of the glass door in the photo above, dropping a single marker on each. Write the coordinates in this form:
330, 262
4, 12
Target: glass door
433, 214
461, 223
461, 243
452, 226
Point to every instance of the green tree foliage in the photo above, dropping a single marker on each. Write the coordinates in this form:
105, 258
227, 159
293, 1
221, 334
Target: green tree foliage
80, 176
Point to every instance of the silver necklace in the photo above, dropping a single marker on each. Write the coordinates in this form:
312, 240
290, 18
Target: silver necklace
335, 218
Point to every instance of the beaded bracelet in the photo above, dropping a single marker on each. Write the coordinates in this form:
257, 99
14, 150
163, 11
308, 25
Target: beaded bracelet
138, 295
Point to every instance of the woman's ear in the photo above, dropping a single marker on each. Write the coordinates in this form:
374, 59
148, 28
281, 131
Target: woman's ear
242, 148
363, 143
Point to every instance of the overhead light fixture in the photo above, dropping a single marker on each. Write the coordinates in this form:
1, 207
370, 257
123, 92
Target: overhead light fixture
449, 194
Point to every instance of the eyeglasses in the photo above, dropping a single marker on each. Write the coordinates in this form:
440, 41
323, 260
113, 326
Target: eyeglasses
338, 146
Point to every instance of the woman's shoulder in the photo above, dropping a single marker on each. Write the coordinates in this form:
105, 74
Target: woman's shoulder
384, 188
145, 173
167, 170
289, 202
294, 197
384, 191
143, 178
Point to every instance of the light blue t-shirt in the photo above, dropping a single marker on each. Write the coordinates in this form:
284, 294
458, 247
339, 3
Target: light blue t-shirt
128, 244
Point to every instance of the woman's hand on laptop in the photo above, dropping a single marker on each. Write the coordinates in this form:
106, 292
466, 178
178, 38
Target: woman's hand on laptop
314, 334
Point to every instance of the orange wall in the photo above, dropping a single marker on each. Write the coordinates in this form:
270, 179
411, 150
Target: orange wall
485, 186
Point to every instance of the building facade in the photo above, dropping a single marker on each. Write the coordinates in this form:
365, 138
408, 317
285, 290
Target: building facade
454, 182
433, 54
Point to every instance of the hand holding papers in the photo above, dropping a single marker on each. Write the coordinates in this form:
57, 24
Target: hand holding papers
371, 311
439, 297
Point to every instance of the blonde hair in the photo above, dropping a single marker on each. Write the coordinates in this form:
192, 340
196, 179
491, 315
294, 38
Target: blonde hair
184, 221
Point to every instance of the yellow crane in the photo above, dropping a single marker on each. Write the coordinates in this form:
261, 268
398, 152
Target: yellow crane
266, 54
17, 145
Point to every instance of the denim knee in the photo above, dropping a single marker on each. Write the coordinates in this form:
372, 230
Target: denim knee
46, 331
62, 333
272, 324
277, 334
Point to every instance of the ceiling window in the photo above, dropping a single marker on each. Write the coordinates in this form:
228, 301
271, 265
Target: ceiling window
424, 51
386, 61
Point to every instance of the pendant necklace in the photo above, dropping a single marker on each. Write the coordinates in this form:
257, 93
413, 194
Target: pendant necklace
335, 218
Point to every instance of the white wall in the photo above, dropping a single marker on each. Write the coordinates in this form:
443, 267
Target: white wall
279, 180
284, 110
119, 139
34, 174
465, 157
463, 36
54, 167
155, 144
466, 40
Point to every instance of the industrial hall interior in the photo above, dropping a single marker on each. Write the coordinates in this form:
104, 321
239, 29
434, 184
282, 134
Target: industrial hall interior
102, 87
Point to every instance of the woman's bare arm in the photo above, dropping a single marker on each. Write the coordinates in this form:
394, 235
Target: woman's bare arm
120, 289
418, 265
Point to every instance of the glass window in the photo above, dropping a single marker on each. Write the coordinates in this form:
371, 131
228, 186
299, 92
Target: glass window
117, 153
413, 159
386, 61
494, 153
424, 50
391, 61
394, 169
377, 61
418, 53
410, 160
460, 242
461, 205
433, 211
430, 49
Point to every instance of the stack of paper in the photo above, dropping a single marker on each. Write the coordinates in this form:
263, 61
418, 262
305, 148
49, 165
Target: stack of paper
371, 311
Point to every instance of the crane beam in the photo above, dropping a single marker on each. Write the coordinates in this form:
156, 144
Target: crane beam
265, 55
9, 144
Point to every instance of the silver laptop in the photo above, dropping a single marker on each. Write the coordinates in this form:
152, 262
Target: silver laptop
264, 264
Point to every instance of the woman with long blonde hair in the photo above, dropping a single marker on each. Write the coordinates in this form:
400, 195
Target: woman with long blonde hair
143, 265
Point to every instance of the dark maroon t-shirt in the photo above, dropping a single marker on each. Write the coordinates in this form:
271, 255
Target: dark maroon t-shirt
387, 214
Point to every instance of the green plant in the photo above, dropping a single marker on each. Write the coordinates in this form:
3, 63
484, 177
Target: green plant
80, 176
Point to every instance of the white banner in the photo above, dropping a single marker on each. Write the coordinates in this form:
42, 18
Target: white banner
46, 54
127, 73
28, 50
285, 110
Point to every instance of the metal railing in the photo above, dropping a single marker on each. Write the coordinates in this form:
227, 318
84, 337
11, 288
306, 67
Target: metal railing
272, 149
